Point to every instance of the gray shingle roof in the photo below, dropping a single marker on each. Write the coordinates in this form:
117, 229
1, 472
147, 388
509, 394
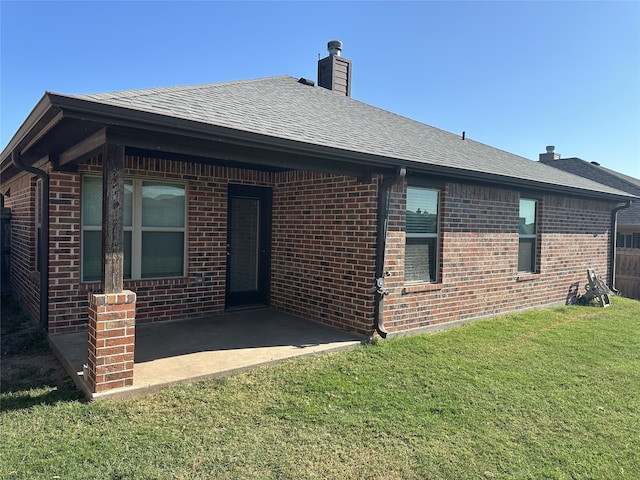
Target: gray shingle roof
627, 217
597, 173
281, 107
630, 216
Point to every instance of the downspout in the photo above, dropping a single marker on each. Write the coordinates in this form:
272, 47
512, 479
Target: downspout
43, 244
384, 198
612, 245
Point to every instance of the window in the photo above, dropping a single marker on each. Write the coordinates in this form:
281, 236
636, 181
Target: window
154, 229
421, 245
528, 235
628, 240
623, 240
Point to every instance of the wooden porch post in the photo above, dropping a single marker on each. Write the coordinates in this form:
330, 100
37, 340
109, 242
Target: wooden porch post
112, 218
112, 311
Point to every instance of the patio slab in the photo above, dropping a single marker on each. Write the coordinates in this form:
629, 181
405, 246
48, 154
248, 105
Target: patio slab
168, 353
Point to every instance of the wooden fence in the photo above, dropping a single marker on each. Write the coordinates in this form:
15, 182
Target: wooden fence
628, 272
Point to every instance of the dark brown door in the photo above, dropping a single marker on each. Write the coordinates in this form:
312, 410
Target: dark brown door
248, 246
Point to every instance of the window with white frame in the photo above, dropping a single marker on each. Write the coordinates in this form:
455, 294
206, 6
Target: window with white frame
421, 243
528, 230
154, 229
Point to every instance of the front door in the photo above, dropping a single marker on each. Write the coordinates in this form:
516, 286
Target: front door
248, 245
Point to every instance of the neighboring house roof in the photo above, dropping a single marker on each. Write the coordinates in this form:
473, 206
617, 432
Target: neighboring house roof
596, 172
282, 109
630, 216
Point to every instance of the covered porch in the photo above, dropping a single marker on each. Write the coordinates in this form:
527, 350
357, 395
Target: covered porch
175, 352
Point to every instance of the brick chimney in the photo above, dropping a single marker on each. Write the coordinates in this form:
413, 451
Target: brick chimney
549, 156
334, 71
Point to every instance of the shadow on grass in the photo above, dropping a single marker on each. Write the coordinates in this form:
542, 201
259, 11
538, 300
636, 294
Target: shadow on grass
30, 375
25, 399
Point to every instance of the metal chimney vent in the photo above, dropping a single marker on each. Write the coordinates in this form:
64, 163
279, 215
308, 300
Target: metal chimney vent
335, 47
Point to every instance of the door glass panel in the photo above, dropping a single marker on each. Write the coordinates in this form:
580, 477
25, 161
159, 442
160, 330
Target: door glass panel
243, 247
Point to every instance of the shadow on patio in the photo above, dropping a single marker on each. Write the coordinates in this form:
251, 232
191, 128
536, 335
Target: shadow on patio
185, 351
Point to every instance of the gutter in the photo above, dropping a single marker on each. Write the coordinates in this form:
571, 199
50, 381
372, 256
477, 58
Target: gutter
612, 246
94, 111
384, 198
43, 244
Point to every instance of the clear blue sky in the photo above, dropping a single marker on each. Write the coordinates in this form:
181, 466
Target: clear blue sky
515, 75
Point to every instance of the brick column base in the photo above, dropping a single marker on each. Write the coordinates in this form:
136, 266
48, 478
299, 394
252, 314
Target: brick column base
111, 340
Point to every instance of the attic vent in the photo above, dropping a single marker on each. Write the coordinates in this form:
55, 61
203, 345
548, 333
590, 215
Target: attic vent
306, 81
595, 163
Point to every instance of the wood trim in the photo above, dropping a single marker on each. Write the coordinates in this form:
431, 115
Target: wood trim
84, 149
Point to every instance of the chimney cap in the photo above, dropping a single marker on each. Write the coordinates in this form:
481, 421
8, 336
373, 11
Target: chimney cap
550, 148
335, 47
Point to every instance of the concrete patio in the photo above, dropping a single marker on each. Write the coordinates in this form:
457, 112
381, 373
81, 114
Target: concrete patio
168, 353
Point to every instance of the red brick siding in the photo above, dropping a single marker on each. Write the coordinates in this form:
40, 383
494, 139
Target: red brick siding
67, 302
323, 249
479, 257
324, 240
202, 290
342, 210
25, 280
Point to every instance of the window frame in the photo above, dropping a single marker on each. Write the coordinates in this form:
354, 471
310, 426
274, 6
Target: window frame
627, 240
529, 236
435, 236
137, 228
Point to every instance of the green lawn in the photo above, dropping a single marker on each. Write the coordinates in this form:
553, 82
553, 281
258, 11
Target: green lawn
545, 394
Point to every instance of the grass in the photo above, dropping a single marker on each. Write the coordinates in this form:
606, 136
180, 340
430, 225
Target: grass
545, 394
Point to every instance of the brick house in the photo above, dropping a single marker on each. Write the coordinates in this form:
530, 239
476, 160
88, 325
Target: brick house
628, 224
627, 228
170, 203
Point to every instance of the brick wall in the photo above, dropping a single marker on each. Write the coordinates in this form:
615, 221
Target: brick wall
67, 301
324, 240
25, 280
479, 256
323, 249
200, 292
333, 219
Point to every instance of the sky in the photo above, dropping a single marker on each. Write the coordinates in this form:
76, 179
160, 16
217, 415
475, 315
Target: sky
515, 75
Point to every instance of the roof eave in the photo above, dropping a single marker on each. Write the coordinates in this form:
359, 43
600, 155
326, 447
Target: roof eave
30, 128
84, 109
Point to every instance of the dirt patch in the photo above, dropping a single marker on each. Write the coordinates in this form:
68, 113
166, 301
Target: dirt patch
26, 361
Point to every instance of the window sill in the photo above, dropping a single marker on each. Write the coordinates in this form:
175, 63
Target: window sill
422, 287
527, 277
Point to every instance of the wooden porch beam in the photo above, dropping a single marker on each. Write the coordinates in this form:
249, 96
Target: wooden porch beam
112, 218
84, 149
217, 150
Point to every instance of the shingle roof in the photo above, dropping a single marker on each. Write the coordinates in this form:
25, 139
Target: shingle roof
630, 216
281, 107
598, 173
